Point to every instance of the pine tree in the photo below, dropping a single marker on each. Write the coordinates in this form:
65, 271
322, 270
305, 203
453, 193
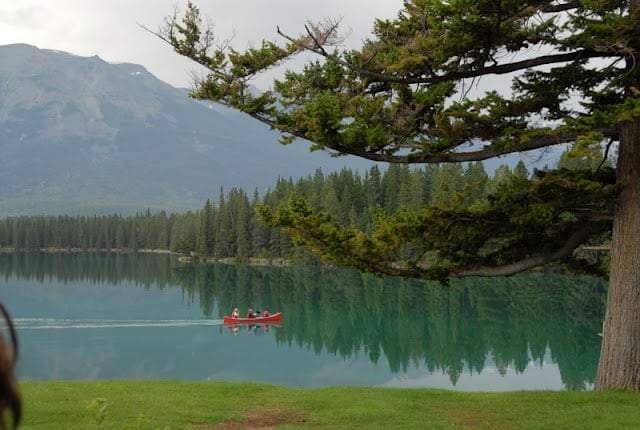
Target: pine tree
403, 97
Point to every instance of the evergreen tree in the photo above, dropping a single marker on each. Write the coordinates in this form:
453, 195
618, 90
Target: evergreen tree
403, 97
185, 235
239, 203
447, 183
206, 232
373, 184
475, 181
521, 171
259, 233
392, 180
317, 185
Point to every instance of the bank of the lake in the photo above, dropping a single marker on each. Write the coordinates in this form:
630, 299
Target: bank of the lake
218, 405
192, 258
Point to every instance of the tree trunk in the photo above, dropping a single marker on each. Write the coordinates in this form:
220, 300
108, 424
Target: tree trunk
619, 366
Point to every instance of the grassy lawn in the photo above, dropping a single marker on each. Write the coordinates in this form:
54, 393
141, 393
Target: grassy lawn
218, 405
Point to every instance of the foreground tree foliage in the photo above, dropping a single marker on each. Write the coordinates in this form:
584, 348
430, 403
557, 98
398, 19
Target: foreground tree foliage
410, 94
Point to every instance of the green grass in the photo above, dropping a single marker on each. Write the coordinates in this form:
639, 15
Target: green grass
213, 405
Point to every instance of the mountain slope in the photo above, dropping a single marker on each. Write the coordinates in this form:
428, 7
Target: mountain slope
79, 135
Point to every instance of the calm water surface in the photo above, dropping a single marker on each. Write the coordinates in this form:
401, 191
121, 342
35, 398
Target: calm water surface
87, 317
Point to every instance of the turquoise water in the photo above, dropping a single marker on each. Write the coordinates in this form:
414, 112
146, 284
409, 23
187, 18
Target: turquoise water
87, 317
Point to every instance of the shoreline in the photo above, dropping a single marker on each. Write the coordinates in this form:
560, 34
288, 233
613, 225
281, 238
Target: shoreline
252, 261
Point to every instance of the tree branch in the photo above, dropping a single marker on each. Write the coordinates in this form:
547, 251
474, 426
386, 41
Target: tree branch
582, 233
499, 69
483, 154
443, 157
551, 8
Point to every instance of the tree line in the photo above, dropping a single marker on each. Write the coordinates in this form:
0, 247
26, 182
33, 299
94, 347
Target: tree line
231, 228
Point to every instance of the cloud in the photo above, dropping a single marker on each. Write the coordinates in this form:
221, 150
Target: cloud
18, 15
23, 20
110, 28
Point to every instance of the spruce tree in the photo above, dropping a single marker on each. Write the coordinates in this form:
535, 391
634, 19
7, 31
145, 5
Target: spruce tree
410, 94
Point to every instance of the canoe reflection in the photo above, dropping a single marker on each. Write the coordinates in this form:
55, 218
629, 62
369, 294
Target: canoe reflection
252, 328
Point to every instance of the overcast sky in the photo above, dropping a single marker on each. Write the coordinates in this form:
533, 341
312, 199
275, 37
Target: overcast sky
111, 30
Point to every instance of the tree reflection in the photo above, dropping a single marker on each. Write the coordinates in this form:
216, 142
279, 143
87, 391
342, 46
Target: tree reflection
506, 323
509, 323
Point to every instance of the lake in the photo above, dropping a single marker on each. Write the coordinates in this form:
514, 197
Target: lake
114, 316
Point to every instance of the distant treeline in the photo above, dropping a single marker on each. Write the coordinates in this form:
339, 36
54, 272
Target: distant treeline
230, 228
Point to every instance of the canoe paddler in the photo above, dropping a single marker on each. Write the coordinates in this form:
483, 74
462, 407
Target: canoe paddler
235, 313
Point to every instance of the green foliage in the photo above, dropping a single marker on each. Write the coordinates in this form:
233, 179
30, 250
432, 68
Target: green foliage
427, 223
586, 154
534, 217
231, 228
404, 96
400, 98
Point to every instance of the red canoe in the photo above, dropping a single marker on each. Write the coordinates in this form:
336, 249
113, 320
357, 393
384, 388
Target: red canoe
256, 320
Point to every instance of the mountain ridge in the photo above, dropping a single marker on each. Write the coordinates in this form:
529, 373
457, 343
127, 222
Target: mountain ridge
79, 135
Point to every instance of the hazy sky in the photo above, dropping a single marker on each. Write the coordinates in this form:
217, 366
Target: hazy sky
111, 30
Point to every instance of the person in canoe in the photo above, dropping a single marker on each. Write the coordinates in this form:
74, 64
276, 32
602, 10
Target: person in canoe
251, 313
265, 313
235, 313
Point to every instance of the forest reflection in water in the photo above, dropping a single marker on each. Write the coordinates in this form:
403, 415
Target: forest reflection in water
506, 323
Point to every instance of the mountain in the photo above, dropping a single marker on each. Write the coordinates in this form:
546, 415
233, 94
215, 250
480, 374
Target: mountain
79, 135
